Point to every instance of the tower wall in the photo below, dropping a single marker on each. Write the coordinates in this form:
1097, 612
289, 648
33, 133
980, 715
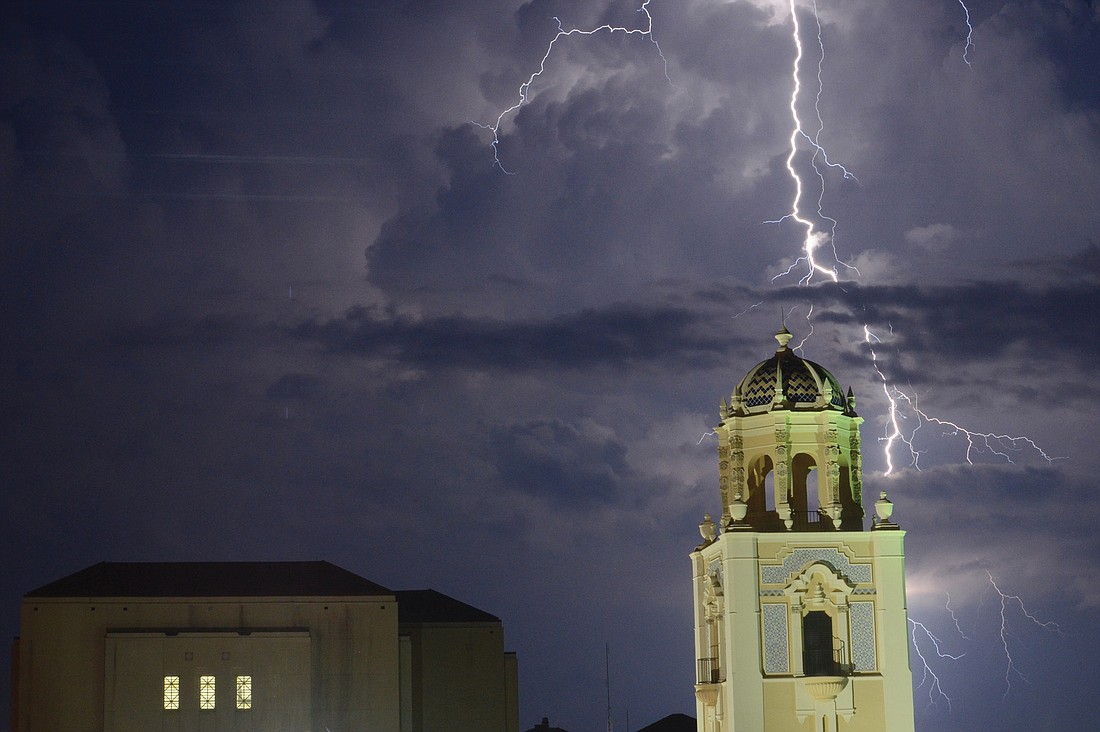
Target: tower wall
800, 616
760, 588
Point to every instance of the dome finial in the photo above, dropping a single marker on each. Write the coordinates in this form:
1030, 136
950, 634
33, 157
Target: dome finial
784, 337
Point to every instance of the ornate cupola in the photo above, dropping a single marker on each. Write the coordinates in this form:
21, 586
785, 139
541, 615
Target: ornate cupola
788, 448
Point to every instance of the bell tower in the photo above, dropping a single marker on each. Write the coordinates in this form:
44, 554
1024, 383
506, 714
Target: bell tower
800, 615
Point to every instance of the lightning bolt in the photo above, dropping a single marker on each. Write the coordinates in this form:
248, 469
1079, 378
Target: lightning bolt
525, 88
1002, 445
1011, 668
997, 444
969, 35
954, 619
815, 238
930, 677
809, 322
750, 307
893, 429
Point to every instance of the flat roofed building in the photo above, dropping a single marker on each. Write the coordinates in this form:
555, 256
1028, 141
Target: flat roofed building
241, 646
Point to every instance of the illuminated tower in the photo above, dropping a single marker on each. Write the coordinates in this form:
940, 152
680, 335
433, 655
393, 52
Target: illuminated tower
800, 615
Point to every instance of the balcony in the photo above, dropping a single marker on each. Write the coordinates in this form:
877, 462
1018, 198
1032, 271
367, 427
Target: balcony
708, 671
825, 660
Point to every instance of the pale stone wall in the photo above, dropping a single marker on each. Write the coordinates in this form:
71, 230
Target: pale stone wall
73, 662
277, 664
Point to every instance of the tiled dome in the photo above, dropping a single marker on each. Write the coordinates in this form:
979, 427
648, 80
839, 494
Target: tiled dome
803, 383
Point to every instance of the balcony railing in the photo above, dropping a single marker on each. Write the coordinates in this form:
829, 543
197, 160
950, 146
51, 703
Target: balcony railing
825, 661
708, 671
811, 521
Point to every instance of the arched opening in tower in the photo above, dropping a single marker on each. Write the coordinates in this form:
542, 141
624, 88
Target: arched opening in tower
806, 495
761, 486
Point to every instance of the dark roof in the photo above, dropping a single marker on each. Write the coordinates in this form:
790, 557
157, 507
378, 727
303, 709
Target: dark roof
211, 579
429, 606
672, 723
544, 726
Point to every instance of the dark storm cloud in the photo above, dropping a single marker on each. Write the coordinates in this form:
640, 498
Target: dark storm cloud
180, 332
620, 337
959, 330
975, 322
295, 386
560, 463
514, 384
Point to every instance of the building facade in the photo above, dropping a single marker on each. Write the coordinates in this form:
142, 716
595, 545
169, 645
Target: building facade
800, 614
251, 646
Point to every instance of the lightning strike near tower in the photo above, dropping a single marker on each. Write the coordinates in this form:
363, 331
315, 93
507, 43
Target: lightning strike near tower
523, 95
1004, 446
810, 169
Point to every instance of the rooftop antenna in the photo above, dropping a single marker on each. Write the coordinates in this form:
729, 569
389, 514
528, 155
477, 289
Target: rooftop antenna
607, 675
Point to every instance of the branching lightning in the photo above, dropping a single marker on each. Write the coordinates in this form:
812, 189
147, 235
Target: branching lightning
809, 322
1001, 445
525, 87
930, 677
820, 231
815, 238
1011, 668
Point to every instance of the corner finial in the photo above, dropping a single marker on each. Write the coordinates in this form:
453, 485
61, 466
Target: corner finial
784, 337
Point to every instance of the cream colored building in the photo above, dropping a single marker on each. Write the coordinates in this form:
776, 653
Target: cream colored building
800, 614
255, 646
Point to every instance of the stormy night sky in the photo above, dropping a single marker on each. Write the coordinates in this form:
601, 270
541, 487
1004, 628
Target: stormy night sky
265, 296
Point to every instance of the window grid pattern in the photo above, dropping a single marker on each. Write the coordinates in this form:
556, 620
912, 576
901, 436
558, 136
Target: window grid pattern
206, 692
244, 692
171, 692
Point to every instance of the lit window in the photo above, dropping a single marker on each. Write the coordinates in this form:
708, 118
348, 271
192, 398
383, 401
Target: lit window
171, 692
206, 692
244, 692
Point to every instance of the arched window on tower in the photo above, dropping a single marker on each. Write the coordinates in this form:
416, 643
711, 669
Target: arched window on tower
760, 481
